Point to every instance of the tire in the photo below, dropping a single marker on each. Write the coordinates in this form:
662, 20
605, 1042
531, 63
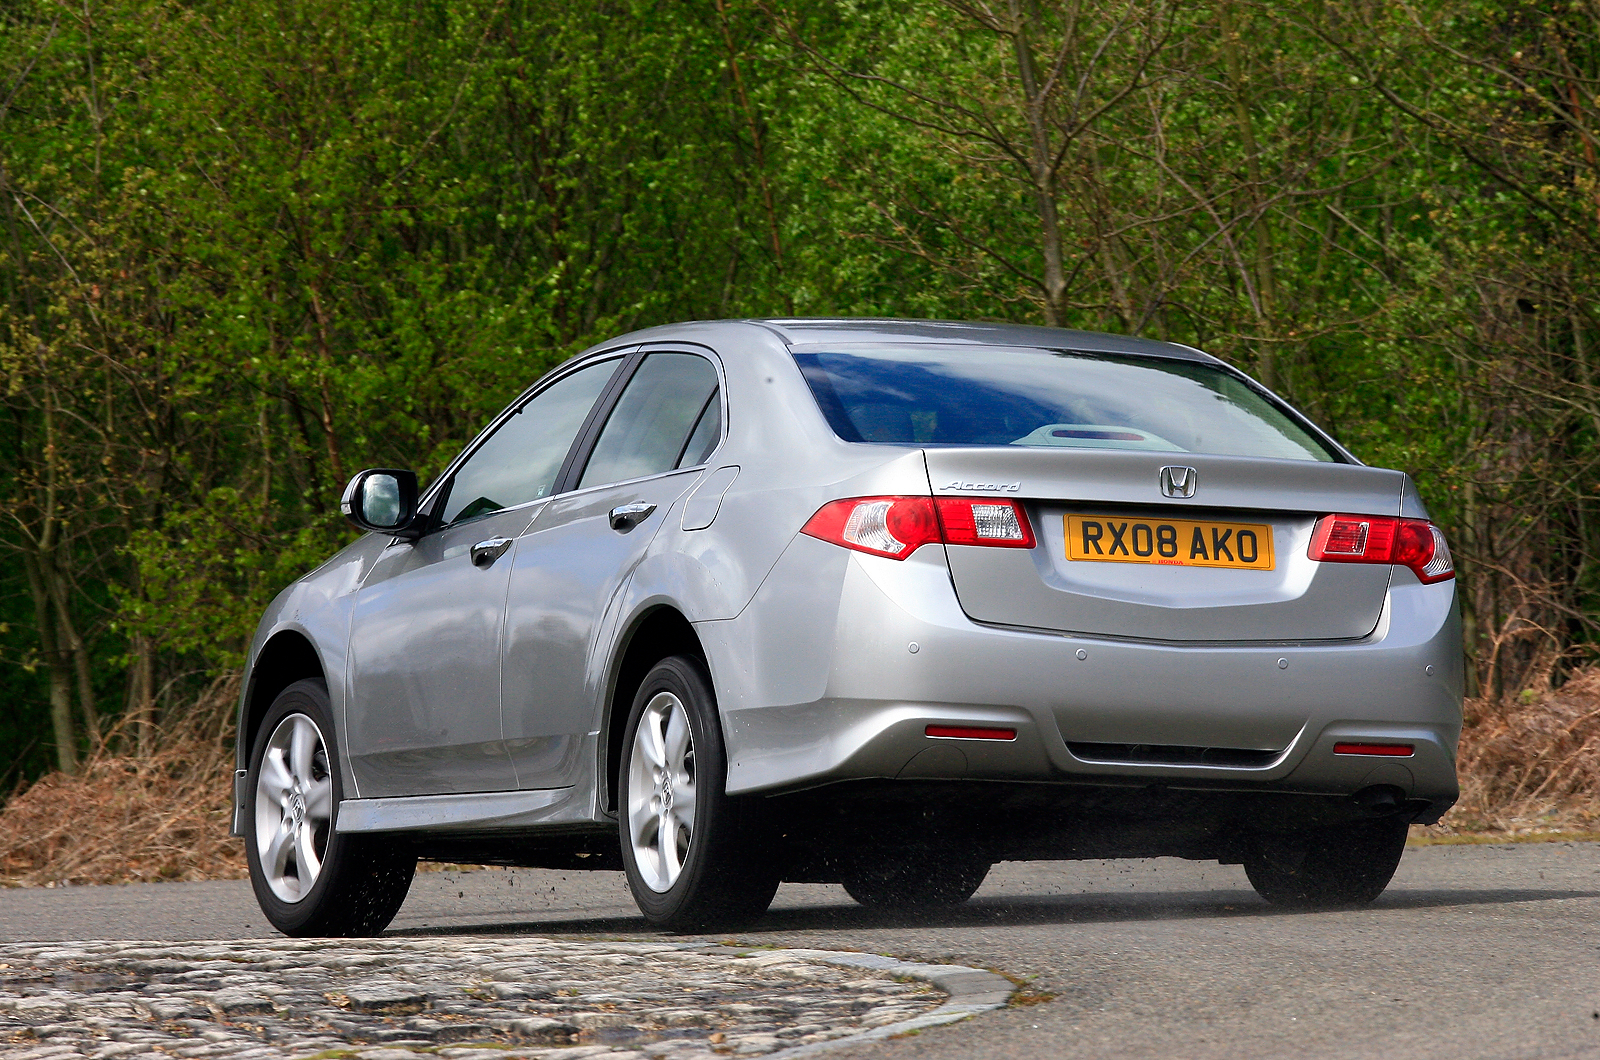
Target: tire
310, 880
699, 868
921, 881
1326, 868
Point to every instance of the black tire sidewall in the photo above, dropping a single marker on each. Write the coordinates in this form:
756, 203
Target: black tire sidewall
1345, 865
309, 697
915, 881
715, 841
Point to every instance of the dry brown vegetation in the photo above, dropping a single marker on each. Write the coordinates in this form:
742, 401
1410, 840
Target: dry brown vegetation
125, 819
1530, 765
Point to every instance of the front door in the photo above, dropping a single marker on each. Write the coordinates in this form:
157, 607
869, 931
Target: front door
570, 566
424, 715
425, 638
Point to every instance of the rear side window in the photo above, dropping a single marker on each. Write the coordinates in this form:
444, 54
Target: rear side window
971, 396
667, 417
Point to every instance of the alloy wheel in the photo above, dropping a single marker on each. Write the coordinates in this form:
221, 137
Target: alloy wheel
294, 807
661, 791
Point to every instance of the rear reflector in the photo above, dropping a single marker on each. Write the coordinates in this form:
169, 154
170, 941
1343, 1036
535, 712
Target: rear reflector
1414, 543
895, 527
1381, 750
968, 732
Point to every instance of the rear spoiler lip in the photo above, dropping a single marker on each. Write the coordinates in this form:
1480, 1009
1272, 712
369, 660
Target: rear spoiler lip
1132, 477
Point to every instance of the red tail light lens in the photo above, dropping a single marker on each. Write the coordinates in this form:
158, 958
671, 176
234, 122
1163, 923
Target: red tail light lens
1414, 543
1001, 524
895, 527
883, 526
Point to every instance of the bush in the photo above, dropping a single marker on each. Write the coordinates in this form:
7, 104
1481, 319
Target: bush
1531, 762
127, 819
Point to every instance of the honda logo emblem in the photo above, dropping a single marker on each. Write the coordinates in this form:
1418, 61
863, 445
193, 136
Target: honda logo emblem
1178, 481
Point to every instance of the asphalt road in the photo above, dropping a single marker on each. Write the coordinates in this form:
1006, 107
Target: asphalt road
1474, 952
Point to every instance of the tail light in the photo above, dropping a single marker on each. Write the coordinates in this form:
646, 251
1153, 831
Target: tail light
1414, 543
1000, 524
895, 527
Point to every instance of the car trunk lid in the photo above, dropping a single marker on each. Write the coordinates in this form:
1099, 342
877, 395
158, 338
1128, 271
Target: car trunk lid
1162, 582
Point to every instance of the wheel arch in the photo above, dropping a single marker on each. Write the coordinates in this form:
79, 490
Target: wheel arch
287, 656
656, 633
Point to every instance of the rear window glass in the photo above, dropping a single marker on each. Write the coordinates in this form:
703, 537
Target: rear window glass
966, 396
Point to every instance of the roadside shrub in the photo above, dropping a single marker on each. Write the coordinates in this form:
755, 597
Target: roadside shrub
1531, 762
127, 819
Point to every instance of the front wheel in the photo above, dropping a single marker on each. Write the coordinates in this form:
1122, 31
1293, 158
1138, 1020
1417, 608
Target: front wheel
1324, 868
692, 854
309, 879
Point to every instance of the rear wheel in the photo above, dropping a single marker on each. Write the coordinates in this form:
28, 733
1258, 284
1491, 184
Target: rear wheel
692, 854
916, 881
309, 879
1344, 865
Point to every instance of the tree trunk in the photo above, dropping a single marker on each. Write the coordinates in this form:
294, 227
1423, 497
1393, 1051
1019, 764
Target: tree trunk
1261, 283
57, 665
758, 145
141, 695
1040, 165
70, 643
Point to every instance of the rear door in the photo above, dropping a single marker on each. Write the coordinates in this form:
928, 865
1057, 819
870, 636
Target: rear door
1118, 557
647, 450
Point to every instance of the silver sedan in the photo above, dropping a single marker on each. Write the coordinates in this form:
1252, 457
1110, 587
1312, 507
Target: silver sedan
871, 602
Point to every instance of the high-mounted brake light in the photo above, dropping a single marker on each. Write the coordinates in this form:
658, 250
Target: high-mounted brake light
1414, 543
895, 527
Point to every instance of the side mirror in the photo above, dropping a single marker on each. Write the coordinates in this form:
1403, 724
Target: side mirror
382, 500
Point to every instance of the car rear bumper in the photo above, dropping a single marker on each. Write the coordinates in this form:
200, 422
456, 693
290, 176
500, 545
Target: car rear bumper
842, 661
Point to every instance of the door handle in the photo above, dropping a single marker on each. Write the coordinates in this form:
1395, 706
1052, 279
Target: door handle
486, 552
627, 516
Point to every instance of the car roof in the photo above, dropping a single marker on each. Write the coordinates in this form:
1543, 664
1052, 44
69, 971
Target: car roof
833, 332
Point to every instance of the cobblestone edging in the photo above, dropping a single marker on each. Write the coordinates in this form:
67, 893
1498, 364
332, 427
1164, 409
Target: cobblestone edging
463, 999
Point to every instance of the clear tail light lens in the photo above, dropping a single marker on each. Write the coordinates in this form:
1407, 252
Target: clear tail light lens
895, 527
882, 526
1414, 543
1000, 524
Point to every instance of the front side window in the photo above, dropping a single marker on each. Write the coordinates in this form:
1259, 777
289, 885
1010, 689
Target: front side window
519, 462
979, 396
669, 416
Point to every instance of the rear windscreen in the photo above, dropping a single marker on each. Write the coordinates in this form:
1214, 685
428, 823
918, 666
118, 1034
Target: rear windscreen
963, 395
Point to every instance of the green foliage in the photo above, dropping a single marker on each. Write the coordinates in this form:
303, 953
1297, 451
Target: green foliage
246, 250
208, 572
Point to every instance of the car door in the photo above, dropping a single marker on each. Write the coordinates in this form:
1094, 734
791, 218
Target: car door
423, 714
568, 569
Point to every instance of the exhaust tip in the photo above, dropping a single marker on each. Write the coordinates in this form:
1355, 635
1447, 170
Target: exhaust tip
1380, 800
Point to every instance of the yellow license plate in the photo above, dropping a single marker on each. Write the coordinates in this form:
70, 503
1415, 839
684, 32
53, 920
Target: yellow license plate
1175, 542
